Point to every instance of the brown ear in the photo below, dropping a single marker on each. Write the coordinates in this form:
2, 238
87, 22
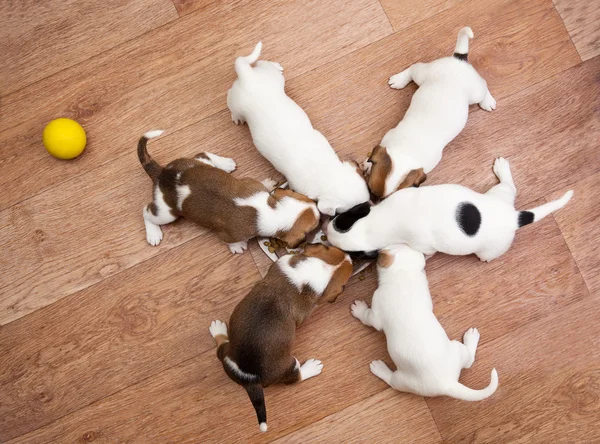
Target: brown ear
385, 259
337, 282
303, 225
381, 166
413, 179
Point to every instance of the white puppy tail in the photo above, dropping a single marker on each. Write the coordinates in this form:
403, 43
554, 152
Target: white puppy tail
243, 65
538, 213
459, 391
461, 51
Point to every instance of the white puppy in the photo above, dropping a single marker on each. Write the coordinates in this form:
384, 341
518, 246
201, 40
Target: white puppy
284, 135
437, 114
427, 362
447, 218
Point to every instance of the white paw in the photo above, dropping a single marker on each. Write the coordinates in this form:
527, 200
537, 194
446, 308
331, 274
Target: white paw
153, 234
358, 309
226, 164
310, 368
502, 169
269, 183
400, 80
471, 338
380, 369
365, 166
238, 247
236, 119
488, 103
278, 66
218, 328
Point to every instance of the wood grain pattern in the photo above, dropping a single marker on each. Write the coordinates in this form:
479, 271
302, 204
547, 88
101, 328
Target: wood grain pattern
169, 78
579, 225
403, 13
38, 39
581, 20
549, 384
114, 334
387, 417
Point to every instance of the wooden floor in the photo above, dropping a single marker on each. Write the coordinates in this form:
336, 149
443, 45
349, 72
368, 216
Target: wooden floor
105, 339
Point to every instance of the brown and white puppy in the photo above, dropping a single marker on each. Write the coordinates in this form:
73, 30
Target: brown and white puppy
257, 350
200, 189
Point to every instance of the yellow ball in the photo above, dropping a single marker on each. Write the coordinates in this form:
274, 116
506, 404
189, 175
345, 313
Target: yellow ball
64, 138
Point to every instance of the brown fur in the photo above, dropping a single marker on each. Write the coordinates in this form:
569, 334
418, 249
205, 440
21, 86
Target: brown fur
381, 166
262, 327
413, 179
385, 259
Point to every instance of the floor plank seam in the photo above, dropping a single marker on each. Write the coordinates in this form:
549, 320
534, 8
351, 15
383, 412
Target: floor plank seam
387, 16
567, 31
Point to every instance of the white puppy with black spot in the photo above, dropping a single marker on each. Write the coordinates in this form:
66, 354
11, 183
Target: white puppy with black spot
284, 135
438, 112
427, 362
448, 218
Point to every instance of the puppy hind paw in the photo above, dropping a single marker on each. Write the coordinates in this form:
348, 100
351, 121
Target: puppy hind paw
502, 169
488, 103
358, 309
471, 338
153, 234
218, 328
278, 66
310, 368
238, 247
400, 80
381, 370
226, 164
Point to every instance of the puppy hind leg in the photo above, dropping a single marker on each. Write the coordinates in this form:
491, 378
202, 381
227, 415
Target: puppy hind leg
416, 73
155, 214
223, 163
382, 371
236, 115
488, 103
506, 189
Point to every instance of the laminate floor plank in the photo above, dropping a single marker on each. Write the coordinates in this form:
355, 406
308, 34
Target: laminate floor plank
581, 20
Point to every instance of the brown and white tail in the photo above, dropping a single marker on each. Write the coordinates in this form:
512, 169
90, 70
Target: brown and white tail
243, 65
461, 51
459, 391
150, 165
538, 213
257, 396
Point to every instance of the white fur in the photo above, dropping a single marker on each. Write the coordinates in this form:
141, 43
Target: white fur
425, 219
284, 135
437, 114
238, 371
183, 191
152, 134
427, 362
152, 222
218, 328
312, 272
238, 247
310, 368
263, 427
282, 217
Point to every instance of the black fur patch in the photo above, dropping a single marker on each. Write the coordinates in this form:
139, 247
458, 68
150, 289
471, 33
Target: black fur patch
525, 218
366, 255
344, 221
463, 57
468, 218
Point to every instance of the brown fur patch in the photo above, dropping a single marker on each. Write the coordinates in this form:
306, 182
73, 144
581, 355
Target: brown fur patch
306, 222
332, 256
381, 166
280, 193
413, 179
219, 339
385, 259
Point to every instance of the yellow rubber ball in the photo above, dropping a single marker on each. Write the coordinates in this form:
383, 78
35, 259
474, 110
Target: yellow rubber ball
64, 138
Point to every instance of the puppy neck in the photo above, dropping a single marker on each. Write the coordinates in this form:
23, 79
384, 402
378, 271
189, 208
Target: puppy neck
311, 272
280, 217
402, 164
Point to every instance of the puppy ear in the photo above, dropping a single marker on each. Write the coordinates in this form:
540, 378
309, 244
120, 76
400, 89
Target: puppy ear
344, 221
305, 223
381, 166
337, 282
327, 207
413, 179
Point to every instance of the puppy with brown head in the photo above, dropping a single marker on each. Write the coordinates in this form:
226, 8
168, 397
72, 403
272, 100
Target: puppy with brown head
257, 349
200, 189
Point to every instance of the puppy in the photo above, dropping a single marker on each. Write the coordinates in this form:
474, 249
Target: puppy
201, 190
437, 114
284, 135
256, 352
427, 362
447, 218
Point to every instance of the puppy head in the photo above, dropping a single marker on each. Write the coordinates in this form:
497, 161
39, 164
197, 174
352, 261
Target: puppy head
400, 257
352, 189
348, 230
305, 213
388, 176
338, 259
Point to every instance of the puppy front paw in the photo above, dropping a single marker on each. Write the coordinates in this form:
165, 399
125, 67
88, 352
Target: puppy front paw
488, 103
218, 328
269, 183
226, 164
359, 309
400, 80
312, 367
153, 234
238, 247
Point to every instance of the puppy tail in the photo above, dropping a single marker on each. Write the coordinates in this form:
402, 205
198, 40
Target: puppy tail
243, 64
257, 396
150, 165
538, 213
461, 51
459, 391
